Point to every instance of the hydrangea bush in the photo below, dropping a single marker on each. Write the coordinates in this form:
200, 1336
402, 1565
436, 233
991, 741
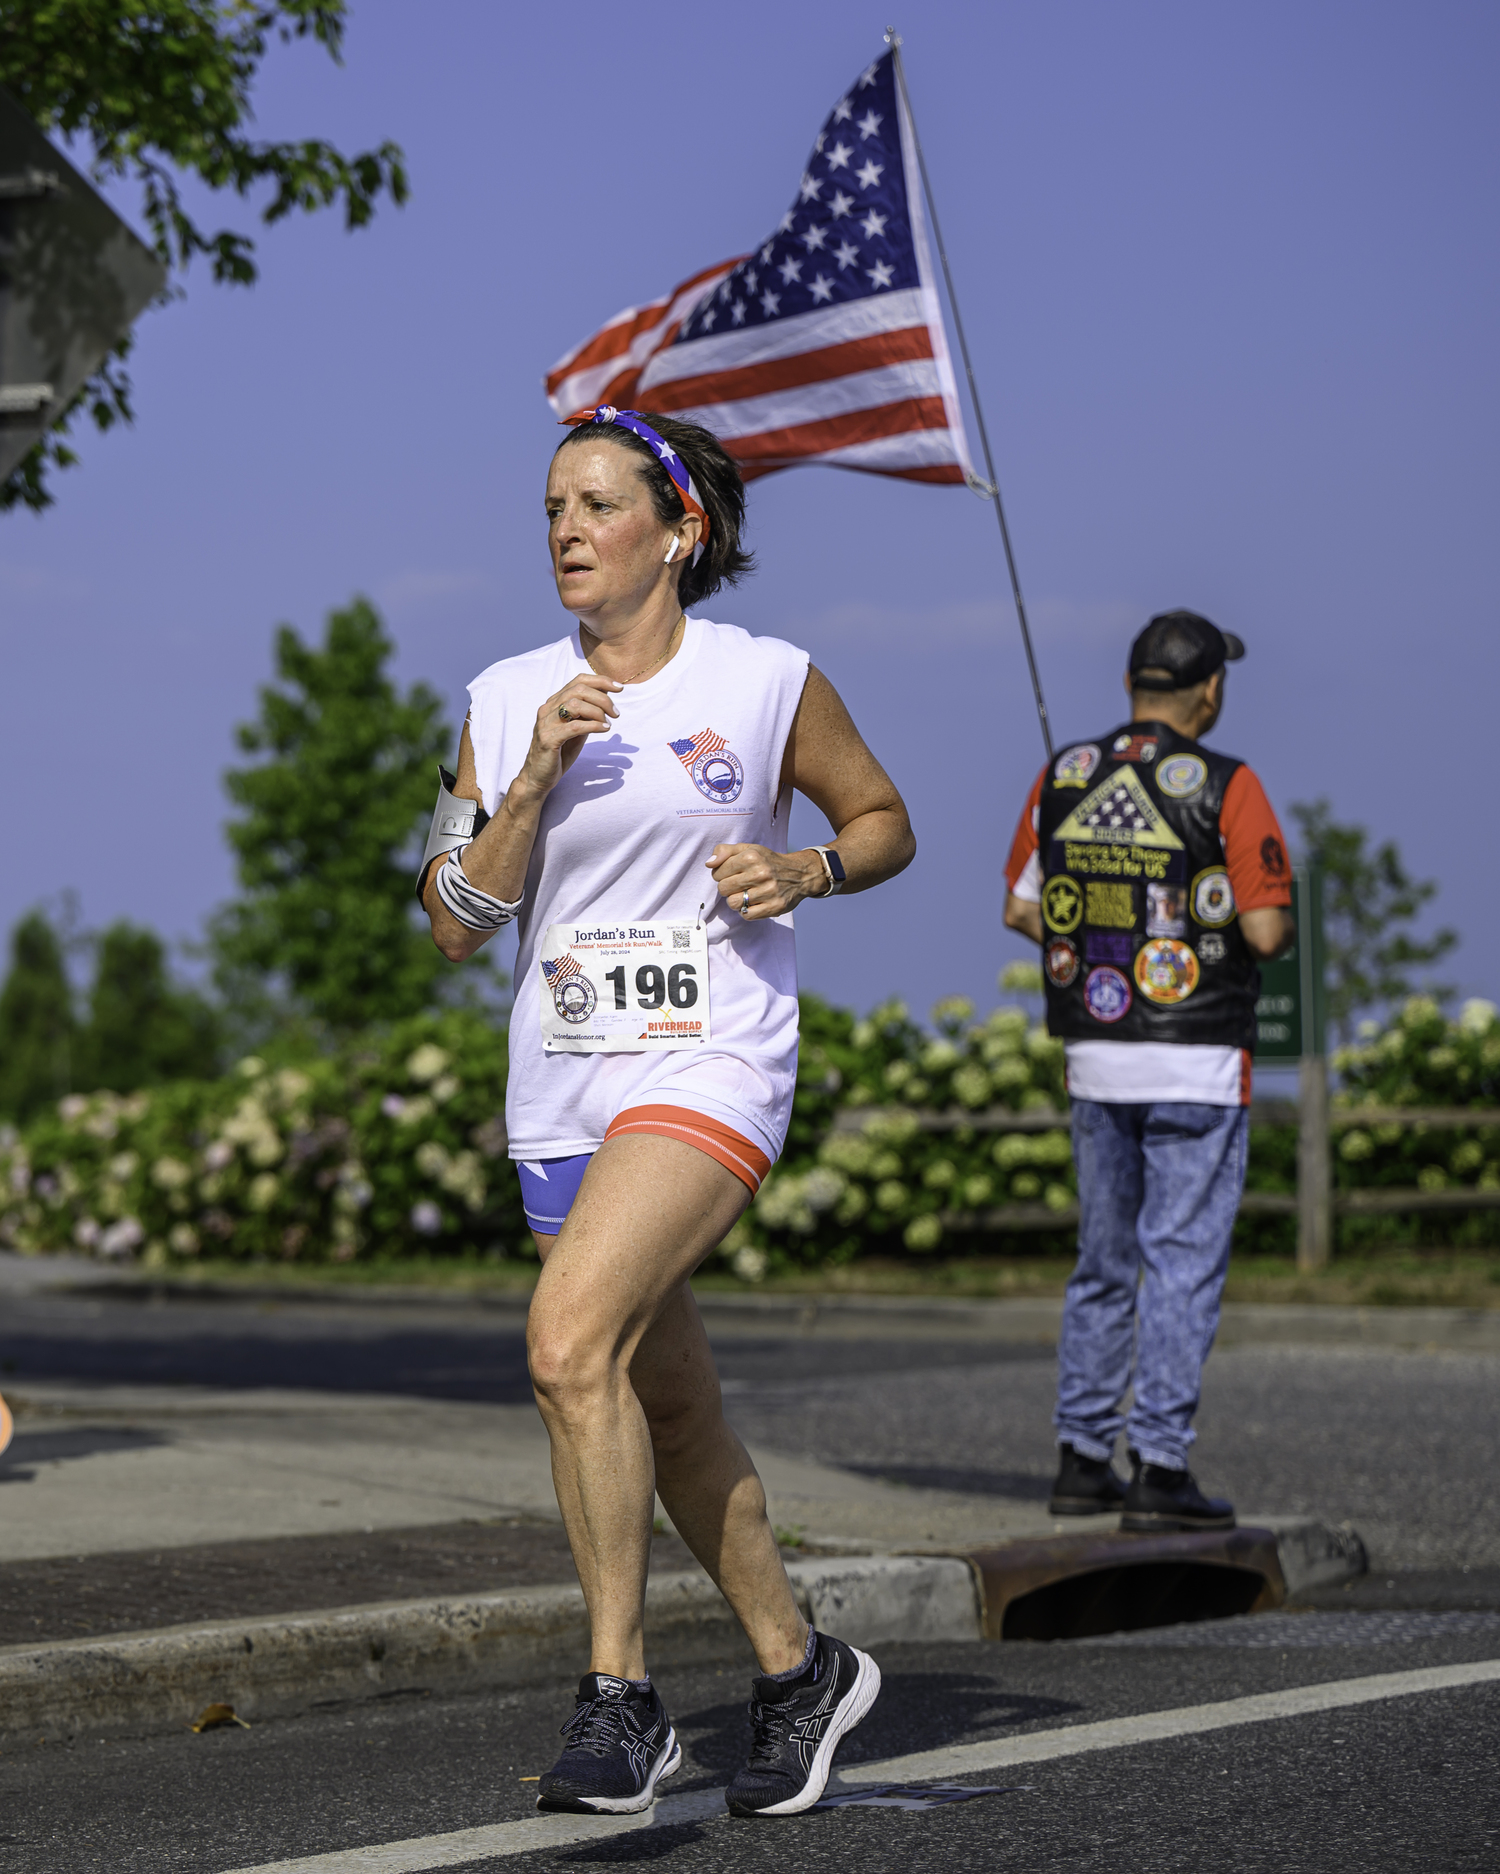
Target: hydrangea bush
884, 1188
398, 1145
1422, 1058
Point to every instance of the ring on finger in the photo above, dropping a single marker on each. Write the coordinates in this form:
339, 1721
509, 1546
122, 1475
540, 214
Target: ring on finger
564, 714
744, 903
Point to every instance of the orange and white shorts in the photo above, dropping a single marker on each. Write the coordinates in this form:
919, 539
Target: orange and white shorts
549, 1185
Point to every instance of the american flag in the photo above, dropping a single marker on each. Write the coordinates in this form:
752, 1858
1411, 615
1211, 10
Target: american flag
560, 969
693, 747
824, 345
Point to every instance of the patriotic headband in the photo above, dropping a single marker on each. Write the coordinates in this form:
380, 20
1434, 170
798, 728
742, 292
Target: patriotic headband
670, 460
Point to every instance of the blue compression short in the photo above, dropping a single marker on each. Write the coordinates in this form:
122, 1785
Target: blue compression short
548, 1187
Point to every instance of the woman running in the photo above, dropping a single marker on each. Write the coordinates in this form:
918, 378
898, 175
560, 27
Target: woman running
638, 777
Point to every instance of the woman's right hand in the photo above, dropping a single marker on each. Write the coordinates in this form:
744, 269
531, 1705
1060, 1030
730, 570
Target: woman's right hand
583, 707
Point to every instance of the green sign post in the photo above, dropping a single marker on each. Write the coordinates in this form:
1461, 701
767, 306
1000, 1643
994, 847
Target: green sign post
1290, 1017
1291, 1020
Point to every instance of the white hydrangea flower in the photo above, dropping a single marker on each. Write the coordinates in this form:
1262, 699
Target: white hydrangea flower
427, 1062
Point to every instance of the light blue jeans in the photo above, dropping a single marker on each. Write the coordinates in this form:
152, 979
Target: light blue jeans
1158, 1185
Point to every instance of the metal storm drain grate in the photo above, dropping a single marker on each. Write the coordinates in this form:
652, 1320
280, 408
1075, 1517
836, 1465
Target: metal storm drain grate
1079, 1587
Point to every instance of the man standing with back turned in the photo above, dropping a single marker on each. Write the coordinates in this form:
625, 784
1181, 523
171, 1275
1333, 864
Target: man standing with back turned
1154, 876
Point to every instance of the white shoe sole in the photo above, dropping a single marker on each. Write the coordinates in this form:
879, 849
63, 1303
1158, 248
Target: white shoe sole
669, 1762
854, 1709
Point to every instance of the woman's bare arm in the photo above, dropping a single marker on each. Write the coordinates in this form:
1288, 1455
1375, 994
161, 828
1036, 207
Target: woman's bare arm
828, 761
496, 860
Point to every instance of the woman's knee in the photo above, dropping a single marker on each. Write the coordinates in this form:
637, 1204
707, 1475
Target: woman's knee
569, 1359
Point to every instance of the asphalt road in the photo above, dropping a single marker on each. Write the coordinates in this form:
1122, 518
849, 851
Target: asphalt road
1406, 1783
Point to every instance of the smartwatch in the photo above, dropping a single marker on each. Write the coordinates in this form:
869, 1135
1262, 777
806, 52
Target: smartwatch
833, 865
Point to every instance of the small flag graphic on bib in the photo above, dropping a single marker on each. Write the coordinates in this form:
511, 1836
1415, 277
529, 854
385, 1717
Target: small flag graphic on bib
560, 969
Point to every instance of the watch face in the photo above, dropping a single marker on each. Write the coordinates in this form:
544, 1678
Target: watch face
835, 864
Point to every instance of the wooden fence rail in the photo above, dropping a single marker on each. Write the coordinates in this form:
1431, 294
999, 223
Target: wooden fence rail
1323, 1202
1262, 1113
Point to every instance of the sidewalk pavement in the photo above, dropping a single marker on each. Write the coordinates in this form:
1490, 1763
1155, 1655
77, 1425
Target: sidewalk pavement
96, 1469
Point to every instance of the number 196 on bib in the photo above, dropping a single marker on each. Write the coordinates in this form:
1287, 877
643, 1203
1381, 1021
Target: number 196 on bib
613, 987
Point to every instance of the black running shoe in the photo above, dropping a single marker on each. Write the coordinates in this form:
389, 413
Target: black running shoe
620, 1745
1085, 1486
796, 1725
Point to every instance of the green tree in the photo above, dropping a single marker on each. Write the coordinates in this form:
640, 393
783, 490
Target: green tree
1369, 904
327, 926
37, 1024
141, 1028
161, 90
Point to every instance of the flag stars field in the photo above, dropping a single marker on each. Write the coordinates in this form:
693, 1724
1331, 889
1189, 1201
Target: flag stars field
848, 365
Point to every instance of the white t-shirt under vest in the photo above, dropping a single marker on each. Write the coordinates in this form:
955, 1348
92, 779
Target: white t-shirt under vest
693, 761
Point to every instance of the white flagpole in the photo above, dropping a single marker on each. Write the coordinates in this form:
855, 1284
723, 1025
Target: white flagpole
893, 40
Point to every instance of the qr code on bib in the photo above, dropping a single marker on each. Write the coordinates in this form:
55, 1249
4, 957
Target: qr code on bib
682, 937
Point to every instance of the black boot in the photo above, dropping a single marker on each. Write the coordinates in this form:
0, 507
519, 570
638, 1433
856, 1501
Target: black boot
1085, 1486
1160, 1499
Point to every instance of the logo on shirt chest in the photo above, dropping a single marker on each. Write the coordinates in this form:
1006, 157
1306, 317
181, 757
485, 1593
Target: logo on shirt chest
713, 767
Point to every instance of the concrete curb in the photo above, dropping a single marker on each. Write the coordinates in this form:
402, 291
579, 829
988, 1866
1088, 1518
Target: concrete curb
1314, 1554
282, 1665
277, 1667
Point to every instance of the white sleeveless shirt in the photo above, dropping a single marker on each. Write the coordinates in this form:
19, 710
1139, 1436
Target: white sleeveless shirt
693, 761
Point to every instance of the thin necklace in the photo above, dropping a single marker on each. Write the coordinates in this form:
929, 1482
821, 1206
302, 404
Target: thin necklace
647, 668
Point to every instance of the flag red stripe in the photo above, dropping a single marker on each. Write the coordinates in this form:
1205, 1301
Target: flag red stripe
616, 339
751, 471
840, 432
807, 367
612, 342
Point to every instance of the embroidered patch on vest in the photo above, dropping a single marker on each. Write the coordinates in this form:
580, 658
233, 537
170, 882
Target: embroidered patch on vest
1074, 766
1181, 776
1111, 906
1106, 995
1062, 904
1213, 897
1166, 910
1108, 946
1119, 812
1060, 960
1166, 971
1134, 748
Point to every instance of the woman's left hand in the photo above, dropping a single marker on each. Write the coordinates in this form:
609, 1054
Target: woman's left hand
759, 883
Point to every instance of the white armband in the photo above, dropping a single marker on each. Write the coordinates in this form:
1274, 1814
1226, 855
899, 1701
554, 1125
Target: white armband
465, 901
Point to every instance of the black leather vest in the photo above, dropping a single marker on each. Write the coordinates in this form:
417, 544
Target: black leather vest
1141, 941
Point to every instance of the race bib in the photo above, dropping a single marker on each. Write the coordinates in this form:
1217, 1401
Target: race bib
624, 988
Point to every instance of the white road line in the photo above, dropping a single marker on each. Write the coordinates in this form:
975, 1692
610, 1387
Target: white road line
557, 1831
1149, 1726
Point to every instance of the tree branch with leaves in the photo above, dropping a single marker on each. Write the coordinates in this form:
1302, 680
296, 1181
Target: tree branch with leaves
161, 92
1368, 897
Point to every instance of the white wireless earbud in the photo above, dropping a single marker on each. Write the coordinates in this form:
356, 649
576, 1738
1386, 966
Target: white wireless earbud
672, 545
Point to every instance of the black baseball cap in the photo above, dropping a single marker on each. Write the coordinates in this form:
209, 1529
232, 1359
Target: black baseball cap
1184, 646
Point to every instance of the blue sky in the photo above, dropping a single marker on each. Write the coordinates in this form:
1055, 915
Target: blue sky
1230, 278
